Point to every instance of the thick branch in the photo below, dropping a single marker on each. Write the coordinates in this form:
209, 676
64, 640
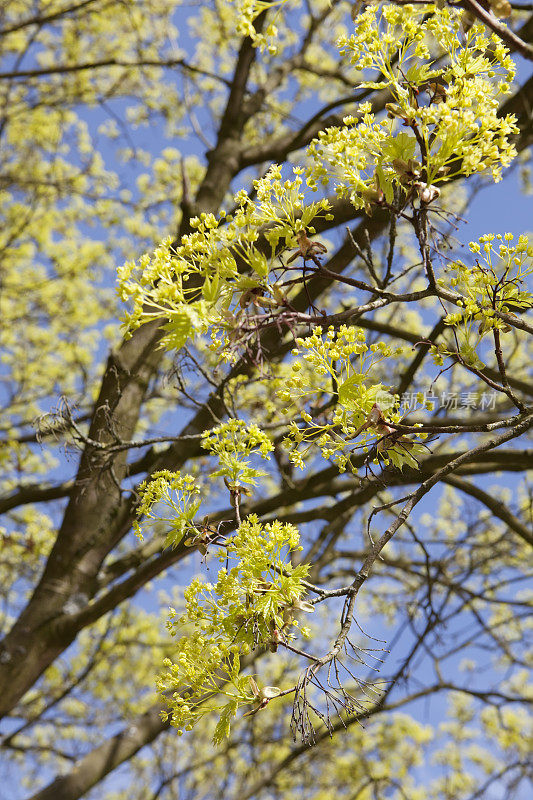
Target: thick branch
93, 768
498, 508
42, 19
36, 493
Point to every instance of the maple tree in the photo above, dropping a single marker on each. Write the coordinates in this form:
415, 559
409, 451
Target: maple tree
273, 415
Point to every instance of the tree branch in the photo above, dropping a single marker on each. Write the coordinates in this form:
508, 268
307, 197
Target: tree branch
499, 28
498, 508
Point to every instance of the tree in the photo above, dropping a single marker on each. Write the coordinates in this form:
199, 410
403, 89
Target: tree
279, 408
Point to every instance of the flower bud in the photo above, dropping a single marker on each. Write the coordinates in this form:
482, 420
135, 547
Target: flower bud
427, 193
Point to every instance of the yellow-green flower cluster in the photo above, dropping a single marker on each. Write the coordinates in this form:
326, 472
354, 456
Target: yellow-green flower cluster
249, 604
196, 284
445, 89
349, 154
443, 122
345, 361
248, 11
231, 442
493, 283
169, 498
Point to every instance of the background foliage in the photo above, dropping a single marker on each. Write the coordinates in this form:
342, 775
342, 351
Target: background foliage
121, 124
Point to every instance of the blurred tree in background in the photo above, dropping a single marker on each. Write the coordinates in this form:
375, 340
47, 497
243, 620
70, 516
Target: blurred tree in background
307, 352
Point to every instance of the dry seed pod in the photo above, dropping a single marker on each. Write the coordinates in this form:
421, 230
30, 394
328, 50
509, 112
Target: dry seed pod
442, 171
263, 587
303, 605
374, 419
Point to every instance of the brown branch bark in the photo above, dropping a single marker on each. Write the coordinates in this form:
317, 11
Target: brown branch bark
36, 493
42, 19
496, 506
94, 767
65, 69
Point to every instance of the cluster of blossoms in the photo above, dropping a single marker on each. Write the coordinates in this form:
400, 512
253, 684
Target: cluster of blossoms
494, 284
198, 284
450, 110
345, 362
172, 500
174, 492
252, 604
443, 122
231, 442
247, 13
